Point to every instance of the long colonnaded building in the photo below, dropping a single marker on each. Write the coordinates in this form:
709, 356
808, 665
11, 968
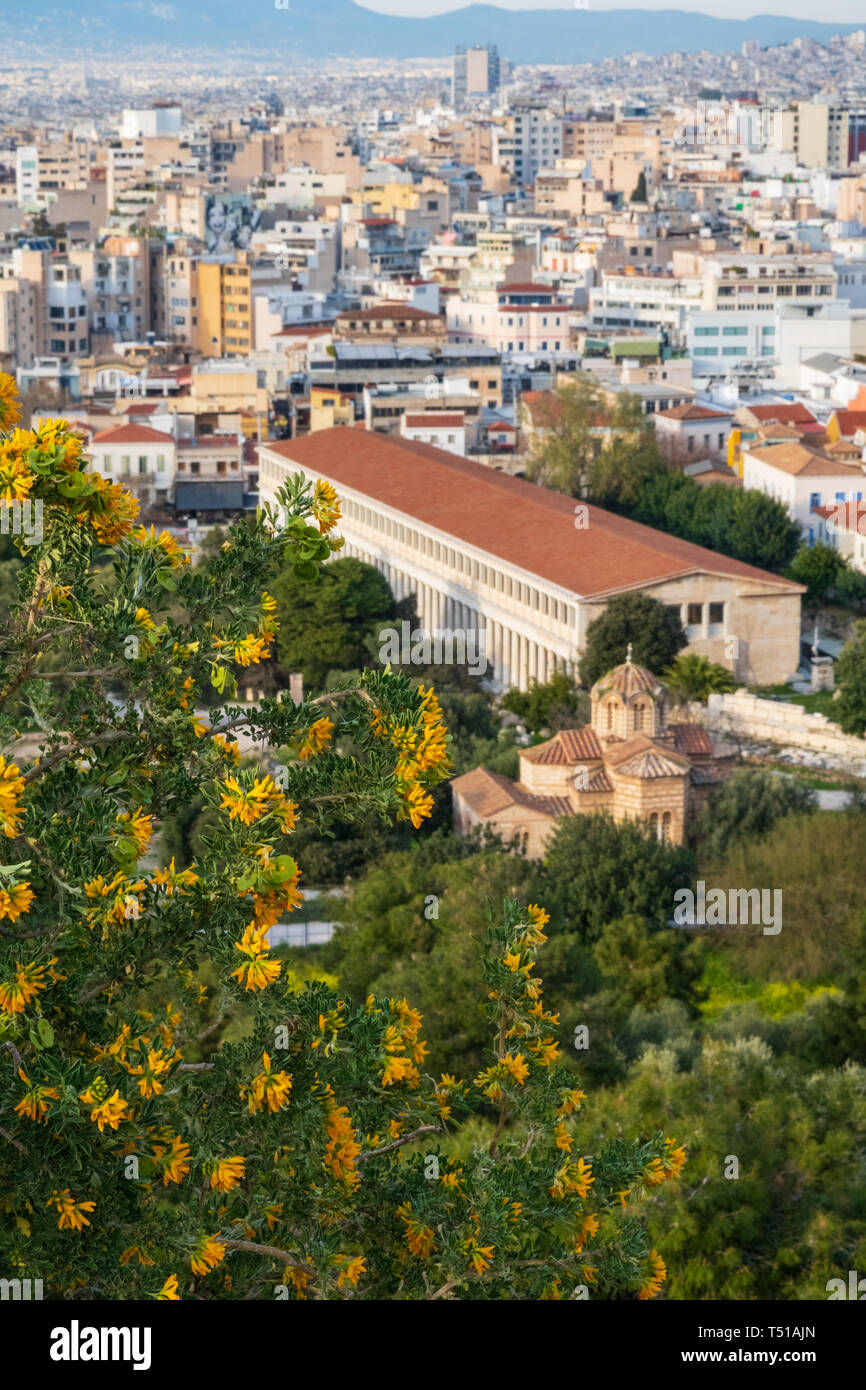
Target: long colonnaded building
528, 567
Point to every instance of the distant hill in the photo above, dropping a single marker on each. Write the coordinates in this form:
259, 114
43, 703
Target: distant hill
327, 28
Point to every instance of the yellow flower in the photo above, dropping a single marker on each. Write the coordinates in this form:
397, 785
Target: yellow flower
512, 960
143, 619
107, 1112
399, 1069
248, 804
15, 901
117, 510
168, 1293
419, 1238
172, 879
269, 1089
138, 827
252, 649
588, 1229
16, 994
174, 1160
419, 805
226, 1173
479, 1256
16, 479
572, 1178
314, 739
158, 1066
135, 1252
10, 412
654, 1281
350, 1267
207, 1254
259, 971
231, 750
325, 506
72, 1217
516, 1066
34, 1106
342, 1148
11, 789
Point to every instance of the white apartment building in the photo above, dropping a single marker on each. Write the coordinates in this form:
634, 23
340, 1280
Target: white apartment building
143, 459
660, 301
802, 479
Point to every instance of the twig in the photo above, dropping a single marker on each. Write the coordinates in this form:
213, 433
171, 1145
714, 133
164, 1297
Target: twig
16, 1055
252, 1247
397, 1143
446, 1288
194, 1066
14, 1142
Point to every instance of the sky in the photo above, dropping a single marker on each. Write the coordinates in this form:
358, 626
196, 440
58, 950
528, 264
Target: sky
840, 11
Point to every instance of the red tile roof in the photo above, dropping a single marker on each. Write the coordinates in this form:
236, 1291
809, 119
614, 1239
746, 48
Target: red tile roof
394, 309
524, 524
690, 411
850, 421
132, 434
785, 412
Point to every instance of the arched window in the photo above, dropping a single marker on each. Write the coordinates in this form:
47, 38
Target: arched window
654, 822
610, 714
666, 826
638, 716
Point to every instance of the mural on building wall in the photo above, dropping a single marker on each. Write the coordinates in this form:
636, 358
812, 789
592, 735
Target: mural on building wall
230, 220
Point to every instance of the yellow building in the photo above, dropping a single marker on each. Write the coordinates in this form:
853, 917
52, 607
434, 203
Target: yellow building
225, 306
328, 408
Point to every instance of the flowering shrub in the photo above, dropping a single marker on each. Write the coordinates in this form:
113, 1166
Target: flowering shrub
307, 1157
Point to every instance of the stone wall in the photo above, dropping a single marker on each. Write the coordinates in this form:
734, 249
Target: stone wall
776, 721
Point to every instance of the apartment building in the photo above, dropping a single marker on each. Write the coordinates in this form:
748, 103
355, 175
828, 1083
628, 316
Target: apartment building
224, 305
143, 459
116, 280
474, 72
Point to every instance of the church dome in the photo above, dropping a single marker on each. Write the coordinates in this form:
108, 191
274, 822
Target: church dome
629, 700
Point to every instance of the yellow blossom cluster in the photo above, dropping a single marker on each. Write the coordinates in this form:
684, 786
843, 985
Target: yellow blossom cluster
72, 1212
11, 790
269, 1090
422, 748
17, 992
259, 969
401, 1038
325, 506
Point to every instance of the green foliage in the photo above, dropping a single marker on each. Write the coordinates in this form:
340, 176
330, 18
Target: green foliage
819, 567
747, 807
742, 523
590, 448
552, 705
597, 871
693, 677
849, 709
654, 630
332, 620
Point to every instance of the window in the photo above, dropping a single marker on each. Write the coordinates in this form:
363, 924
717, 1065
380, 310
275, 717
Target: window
106, 463
666, 825
695, 614
124, 463
638, 716
610, 716
814, 500
142, 463
717, 616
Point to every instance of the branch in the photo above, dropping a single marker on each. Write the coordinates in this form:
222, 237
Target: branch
4, 1133
397, 1144
45, 765
16, 1055
194, 1066
252, 1247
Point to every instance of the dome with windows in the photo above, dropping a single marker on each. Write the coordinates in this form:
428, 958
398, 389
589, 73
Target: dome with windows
629, 700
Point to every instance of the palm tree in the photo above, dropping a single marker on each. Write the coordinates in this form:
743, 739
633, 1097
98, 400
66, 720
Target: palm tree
692, 677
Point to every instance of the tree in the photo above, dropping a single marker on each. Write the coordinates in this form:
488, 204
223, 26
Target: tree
590, 448
653, 629
849, 708
567, 440
748, 806
552, 705
639, 195
763, 531
332, 620
131, 1169
819, 567
597, 871
693, 677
